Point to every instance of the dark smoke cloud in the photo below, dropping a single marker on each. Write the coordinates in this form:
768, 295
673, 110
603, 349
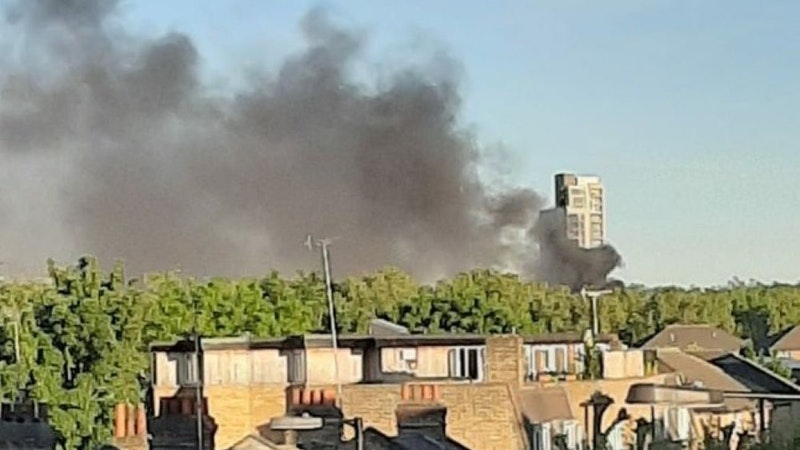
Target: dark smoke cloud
561, 261
152, 168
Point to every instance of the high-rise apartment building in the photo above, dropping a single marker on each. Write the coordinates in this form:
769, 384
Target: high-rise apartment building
583, 199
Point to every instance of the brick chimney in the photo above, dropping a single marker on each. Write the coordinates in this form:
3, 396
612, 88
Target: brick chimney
420, 412
130, 427
505, 359
176, 425
316, 403
25, 425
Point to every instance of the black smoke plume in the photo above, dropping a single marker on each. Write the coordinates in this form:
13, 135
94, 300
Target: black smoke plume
562, 262
112, 145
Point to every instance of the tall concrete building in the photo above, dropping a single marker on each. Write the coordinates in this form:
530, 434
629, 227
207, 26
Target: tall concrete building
583, 199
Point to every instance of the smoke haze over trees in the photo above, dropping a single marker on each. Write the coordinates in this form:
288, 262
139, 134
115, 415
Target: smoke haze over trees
111, 145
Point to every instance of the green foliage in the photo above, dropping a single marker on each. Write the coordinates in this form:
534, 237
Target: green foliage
83, 340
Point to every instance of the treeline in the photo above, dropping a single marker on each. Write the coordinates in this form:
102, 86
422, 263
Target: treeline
83, 338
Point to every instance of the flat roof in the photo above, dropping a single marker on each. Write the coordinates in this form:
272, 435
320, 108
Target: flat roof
356, 341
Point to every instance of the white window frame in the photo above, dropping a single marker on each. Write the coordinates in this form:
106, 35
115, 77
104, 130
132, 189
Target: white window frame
571, 428
455, 369
408, 358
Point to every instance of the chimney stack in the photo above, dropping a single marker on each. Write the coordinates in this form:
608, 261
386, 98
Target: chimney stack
420, 412
25, 425
176, 425
505, 360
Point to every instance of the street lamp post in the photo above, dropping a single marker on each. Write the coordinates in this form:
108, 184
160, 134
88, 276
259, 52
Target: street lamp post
593, 296
323, 244
197, 364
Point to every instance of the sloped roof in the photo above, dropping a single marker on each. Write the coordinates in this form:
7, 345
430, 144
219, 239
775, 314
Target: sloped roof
685, 337
696, 370
753, 376
789, 340
253, 442
381, 327
407, 441
545, 404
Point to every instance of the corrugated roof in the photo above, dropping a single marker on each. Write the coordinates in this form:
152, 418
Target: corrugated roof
545, 404
685, 337
696, 370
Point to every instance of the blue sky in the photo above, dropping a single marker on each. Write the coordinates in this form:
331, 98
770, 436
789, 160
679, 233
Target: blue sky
688, 110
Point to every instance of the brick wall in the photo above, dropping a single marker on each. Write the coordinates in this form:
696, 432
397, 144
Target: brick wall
481, 416
239, 410
505, 360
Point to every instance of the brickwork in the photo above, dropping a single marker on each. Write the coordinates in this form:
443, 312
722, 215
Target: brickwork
505, 360
482, 416
239, 410
130, 427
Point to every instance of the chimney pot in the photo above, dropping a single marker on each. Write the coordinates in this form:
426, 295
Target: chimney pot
316, 397
141, 421
329, 397
119, 420
130, 420
305, 397
405, 392
295, 395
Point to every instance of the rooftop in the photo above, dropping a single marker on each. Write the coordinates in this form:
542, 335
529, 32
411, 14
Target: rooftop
697, 371
693, 337
787, 341
362, 341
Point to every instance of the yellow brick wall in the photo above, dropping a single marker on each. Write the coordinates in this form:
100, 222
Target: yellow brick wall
239, 410
480, 416
505, 360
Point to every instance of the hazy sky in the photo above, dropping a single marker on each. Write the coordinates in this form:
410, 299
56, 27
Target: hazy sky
688, 110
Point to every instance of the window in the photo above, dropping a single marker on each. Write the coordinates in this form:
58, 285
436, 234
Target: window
408, 357
571, 431
467, 362
541, 437
573, 220
615, 439
578, 202
296, 362
187, 368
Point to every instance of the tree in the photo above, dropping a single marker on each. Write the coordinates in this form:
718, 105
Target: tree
83, 340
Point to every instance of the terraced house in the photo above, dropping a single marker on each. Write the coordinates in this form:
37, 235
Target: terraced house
501, 392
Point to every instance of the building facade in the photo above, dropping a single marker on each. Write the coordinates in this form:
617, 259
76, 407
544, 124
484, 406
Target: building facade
583, 199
